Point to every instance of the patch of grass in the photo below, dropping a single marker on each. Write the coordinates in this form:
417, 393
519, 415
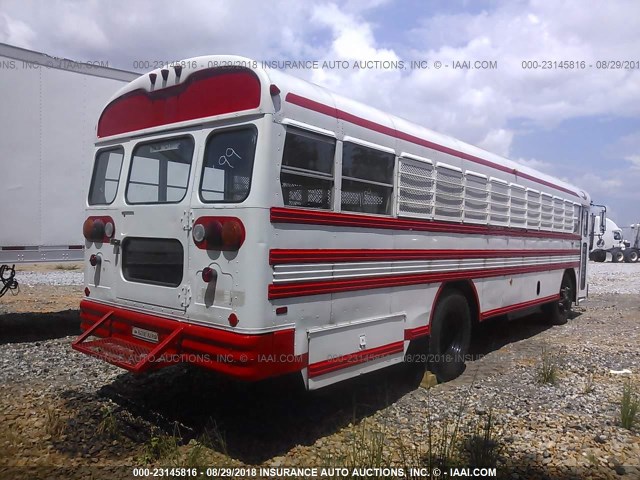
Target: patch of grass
453, 440
54, 424
547, 370
195, 456
592, 459
214, 438
108, 424
9, 437
69, 266
366, 449
589, 386
629, 406
161, 447
483, 447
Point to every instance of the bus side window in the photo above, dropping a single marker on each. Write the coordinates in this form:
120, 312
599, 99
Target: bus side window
106, 176
367, 179
306, 178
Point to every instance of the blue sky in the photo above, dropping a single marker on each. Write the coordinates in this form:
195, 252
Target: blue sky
582, 125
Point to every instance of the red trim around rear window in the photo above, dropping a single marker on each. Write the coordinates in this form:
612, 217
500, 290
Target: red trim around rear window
204, 94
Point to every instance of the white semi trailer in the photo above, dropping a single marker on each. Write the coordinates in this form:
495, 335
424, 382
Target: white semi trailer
632, 252
611, 241
47, 126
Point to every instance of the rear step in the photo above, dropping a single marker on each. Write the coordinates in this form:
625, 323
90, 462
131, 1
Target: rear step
122, 353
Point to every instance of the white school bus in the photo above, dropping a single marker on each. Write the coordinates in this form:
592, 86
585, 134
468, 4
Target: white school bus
255, 224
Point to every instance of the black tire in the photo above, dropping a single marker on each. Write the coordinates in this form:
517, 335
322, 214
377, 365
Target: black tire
450, 336
631, 255
558, 312
617, 255
598, 256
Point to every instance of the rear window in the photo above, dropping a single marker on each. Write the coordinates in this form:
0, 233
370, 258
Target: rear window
228, 164
106, 176
159, 171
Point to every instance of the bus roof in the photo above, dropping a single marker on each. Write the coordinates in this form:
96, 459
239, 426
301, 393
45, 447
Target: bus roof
240, 86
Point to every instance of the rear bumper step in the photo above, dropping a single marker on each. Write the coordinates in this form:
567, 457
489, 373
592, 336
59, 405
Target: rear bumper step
108, 335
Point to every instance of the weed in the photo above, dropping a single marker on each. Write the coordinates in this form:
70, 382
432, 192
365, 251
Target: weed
366, 449
547, 371
161, 447
482, 447
195, 455
55, 425
589, 386
629, 405
108, 425
214, 438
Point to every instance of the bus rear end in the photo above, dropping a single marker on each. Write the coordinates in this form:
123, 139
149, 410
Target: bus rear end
176, 262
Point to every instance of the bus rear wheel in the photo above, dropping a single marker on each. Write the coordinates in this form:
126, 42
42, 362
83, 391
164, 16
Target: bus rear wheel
450, 336
558, 312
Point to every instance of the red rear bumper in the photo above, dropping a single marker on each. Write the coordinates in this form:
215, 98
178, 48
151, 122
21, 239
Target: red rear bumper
246, 357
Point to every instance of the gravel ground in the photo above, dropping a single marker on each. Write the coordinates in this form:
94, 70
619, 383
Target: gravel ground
63, 409
618, 278
56, 277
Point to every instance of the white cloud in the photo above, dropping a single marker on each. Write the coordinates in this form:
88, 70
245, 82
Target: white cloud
635, 161
542, 31
497, 141
536, 164
15, 32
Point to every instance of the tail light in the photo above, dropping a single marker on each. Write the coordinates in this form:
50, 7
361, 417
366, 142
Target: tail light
218, 233
98, 229
209, 274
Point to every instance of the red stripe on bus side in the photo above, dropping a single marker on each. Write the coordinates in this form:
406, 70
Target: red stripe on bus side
518, 306
312, 217
300, 289
376, 127
412, 333
284, 256
351, 359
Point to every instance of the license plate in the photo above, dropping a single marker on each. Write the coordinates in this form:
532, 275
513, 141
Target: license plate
145, 334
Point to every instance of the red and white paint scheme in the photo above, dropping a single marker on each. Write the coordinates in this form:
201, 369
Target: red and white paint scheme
256, 224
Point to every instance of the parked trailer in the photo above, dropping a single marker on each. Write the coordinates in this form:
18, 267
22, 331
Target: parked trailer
632, 252
250, 222
49, 107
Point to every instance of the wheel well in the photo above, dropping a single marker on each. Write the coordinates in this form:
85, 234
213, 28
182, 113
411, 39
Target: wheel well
468, 289
570, 272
